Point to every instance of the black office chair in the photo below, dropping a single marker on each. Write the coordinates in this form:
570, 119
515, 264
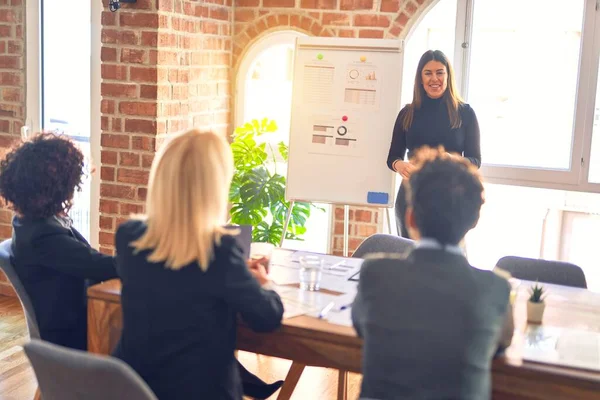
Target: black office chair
553, 272
382, 243
11, 274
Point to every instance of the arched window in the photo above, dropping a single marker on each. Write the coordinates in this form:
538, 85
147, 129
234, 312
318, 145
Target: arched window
264, 90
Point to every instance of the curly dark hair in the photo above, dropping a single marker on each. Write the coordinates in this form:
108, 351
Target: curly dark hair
39, 176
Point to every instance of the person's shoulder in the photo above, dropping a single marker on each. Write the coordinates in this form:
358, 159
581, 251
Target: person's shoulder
130, 230
466, 109
494, 283
377, 264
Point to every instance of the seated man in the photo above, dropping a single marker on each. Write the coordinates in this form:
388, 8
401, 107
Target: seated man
431, 322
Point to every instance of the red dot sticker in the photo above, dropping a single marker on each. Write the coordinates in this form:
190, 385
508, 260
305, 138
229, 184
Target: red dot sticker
344, 118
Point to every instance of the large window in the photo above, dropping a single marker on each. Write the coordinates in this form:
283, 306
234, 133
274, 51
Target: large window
530, 71
264, 90
60, 86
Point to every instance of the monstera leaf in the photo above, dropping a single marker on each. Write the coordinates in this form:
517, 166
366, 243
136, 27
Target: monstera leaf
257, 192
260, 189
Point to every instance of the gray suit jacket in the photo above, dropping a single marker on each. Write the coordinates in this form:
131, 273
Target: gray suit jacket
431, 325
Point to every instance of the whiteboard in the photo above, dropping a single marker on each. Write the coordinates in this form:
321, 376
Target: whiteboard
345, 100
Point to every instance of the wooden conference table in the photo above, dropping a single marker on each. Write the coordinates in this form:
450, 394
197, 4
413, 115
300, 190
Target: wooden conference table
314, 342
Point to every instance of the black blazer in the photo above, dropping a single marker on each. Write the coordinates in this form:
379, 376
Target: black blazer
179, 326
431, 325
53, 262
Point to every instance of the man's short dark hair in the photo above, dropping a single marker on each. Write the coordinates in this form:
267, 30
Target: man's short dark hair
39, 176
446, 195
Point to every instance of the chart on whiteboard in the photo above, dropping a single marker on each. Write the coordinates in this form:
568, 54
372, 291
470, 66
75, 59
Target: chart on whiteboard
362, 86
318, 83
332, 135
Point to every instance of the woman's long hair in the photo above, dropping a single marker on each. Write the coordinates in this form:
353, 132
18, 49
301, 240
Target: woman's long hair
450, 96
187, 200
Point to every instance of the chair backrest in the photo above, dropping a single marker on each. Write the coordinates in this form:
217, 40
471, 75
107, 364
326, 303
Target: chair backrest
11, 274
67, 374
382, 243
554, 272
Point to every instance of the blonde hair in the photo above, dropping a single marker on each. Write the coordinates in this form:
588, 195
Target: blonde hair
187, 200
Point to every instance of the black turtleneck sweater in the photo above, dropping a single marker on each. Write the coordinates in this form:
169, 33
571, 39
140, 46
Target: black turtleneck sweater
431, 127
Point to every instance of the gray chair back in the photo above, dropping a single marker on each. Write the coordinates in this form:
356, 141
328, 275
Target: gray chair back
67, 374
382, 243
554, 272
11, 274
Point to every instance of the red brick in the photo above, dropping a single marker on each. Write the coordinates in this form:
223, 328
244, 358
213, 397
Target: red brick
109, 206
5, 217
142, 193
335, 19
410, 9
12, 94
107, 173
143, 74
135, 56
117, 124
319, 4
245, 15
356, 4
128, 209
10, 78
5, 31
390, 6
114, 72
108, 157
370, 34
117, 191
149, 39
118, 90
365, 230
136, 176
107, 106
246, 3
380, 21
140, 126
108, 251
129, 159
147, 160
137, 19
107, 223
137, 108
402, 19
106, 238
108, 54
339, 228
222, 13
112, 36
15, 47
115, 141
8, 16
279, 3
349, 33
395, 30
109, 18
363, 216
104, 123
143, 143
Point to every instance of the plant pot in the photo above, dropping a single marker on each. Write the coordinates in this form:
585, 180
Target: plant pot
535, 312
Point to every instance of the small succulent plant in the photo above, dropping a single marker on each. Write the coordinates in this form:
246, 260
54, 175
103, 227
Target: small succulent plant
537, 293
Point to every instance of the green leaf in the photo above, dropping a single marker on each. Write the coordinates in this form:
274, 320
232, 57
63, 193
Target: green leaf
283, 150
264, 232
241, 214
234, 189
261, 189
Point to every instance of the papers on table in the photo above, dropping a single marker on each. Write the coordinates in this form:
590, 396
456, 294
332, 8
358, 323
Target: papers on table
561, 346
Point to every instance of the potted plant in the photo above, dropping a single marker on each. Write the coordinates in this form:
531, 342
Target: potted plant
257, 193
536, 304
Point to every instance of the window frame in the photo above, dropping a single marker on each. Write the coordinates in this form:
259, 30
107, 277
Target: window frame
34, 92
576, 177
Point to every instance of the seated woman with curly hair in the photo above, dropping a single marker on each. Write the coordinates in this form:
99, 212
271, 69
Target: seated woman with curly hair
38, 178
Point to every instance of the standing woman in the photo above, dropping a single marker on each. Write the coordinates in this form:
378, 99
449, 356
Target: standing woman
436, 117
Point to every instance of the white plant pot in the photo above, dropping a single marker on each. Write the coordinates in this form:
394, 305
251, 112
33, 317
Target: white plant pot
535, 312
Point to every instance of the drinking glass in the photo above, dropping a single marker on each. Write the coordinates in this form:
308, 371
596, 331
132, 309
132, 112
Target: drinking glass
311, 270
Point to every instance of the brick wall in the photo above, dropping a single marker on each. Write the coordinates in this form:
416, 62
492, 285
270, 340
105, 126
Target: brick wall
254, 19
12, 94
165, 68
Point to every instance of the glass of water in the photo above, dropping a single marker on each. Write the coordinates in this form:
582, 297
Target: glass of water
311, 270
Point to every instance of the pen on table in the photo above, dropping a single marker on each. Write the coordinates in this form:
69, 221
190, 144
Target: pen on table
326, 309
345, 307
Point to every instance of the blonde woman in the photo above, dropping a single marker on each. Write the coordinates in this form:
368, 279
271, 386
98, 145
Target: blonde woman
185, 279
